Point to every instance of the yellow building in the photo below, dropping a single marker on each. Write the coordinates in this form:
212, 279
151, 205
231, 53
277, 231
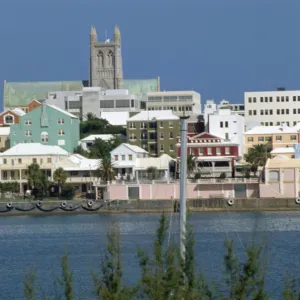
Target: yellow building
4, 138
272, 136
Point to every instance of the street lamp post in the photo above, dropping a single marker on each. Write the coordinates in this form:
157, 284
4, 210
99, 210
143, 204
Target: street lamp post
183, 172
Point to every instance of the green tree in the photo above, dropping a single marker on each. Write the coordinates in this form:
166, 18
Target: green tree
34, 175
105, 170
90, 117
81, 151
257, 155
67, 191
60, 176
100, 149
152, 173
108, 284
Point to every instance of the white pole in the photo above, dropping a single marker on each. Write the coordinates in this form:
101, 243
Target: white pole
183, 171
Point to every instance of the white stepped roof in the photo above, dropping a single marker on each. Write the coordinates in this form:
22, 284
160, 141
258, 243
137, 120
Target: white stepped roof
34, 149
161, 163
149, 115
80, 163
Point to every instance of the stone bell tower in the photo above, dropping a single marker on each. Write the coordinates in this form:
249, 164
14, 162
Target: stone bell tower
106, 68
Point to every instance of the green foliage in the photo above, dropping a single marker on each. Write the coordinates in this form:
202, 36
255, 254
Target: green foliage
191, 164
60, 176
81, 151
29, 284
37, 181
197, 175
67, 192
108, 284
13, 187
67, 278
152, 173
223, 175
105, 170
257, 156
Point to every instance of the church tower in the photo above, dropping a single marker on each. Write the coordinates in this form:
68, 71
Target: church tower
106, 68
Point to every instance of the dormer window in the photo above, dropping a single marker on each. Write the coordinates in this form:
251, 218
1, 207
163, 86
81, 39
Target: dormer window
28, 122
61, 132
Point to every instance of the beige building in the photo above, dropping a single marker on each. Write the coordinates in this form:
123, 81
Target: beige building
180, 102
272, 136
4, 138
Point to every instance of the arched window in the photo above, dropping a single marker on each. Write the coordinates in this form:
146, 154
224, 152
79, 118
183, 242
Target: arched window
110, 56
8, 119
100, 59
44, 137
61, 132
274, 176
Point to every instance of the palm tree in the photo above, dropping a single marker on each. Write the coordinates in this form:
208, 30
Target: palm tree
105, 170
34, 175
191, 164
60, 176
257, 156
90, 116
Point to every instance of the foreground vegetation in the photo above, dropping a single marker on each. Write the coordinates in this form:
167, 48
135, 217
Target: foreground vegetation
164, 275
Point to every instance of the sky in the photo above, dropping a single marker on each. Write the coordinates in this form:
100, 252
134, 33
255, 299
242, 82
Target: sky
219, 48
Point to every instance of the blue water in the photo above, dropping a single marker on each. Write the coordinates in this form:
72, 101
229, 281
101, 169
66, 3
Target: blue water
41, 241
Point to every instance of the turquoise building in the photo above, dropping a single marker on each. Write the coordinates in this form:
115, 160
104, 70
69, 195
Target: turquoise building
48, 125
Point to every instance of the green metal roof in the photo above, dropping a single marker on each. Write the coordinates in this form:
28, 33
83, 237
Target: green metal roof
21, 93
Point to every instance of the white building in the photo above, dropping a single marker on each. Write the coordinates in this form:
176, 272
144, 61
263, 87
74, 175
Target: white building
89, 141
132, 162
272, 108
180, 102
228, 126
95, 100
235, 108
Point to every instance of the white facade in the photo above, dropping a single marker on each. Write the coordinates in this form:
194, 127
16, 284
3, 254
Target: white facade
94, 100
235, 108
89, 141
180, 102
272, 108
228, 126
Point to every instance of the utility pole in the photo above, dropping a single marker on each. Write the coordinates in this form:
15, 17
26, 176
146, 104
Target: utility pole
183, 171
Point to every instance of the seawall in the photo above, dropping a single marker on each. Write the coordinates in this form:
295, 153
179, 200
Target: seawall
147, 206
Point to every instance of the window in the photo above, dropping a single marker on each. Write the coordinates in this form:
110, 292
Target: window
221, 124
278, 111
161, 135
44, 137
209, 151
161, 147
28, 122
226, 124
287, 98
34, 160
61, 132
60, 121
298, 98
49, 160
116, 157
254, 99
266, 112
132, 125
268, 139
9, 119
294, 111
277, 99
294, 98
171, 124
226, 136
293, 137
267, 124
218, 151
227, 150
273, 176
271, 99
278, 138
287, 111
261, 112
250, 139
282, 111
132, 136
250, 112
4, 161
143, 125
130, 157
171, 135
271, 111
161, 124
20, 160
282, 98
171, 147
41, 160
200, 151
123, 157
266, 99
28, 133
261, 138
254, 112
261, 99
250, 100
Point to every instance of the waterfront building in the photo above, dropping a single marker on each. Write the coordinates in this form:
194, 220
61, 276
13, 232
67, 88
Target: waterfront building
49, 125
15, 161
87, 142
287, 152
272, 108
271, 136
281, 176
155, 131
229, 126
213, 154
132, 162
179, 102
